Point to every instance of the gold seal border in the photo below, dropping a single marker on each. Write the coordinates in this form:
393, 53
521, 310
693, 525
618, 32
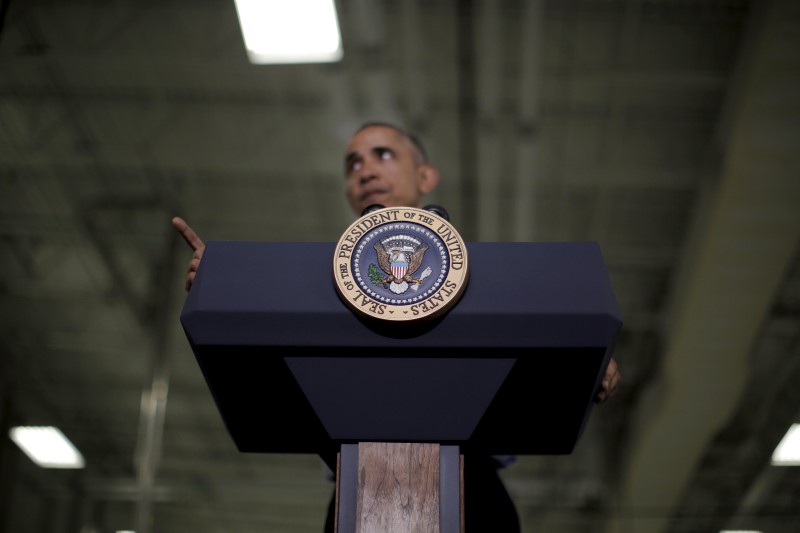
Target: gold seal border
446, 296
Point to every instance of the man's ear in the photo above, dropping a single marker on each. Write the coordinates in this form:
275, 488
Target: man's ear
428, 178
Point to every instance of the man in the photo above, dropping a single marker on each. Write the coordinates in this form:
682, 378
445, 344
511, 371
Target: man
388, 166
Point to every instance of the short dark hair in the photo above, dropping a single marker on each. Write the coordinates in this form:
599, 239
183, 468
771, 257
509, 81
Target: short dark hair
413, 139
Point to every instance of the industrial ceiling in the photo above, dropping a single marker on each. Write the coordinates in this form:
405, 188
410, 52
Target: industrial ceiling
668, 131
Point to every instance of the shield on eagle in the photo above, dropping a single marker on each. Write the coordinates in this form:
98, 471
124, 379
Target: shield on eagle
399, 265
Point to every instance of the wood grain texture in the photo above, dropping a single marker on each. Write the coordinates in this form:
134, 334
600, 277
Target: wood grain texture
398, 488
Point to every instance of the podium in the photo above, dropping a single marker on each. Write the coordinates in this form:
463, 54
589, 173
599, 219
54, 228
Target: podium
293, 370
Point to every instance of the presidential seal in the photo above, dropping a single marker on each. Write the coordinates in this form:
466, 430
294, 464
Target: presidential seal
400, 264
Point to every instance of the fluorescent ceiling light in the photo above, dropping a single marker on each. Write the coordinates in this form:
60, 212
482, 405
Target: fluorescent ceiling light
47, 446
739, 531
788, 451
290, 31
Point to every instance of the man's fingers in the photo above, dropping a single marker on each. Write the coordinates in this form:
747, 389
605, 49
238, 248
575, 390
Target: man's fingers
188, 233
610, 382
189, 280
197, 245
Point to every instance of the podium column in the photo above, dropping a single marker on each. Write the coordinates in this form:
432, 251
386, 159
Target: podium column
399, 488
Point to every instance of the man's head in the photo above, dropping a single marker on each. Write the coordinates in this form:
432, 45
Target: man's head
386, 165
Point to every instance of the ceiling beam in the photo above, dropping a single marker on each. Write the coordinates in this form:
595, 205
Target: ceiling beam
743, 246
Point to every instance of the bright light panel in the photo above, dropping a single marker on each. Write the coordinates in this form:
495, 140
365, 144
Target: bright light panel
788, 451
290, 31
47, 446
739, 531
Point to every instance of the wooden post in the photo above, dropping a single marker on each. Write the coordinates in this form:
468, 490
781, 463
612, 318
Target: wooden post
401, 488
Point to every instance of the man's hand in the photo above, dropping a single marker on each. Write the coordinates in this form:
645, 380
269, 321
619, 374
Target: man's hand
610, 382
197, 245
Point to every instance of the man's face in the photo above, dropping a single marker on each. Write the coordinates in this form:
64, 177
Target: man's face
382, 167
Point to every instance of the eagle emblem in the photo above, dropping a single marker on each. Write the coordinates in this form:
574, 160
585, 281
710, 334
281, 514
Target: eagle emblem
399, 258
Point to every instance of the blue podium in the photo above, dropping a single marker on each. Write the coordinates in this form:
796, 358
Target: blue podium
293, 369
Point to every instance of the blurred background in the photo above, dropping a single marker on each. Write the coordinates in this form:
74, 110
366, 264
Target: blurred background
665, 130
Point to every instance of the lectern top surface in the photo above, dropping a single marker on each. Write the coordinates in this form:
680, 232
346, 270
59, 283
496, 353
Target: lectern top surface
519, 294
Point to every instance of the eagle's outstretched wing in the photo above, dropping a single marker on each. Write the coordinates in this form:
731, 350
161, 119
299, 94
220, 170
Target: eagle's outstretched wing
383, 258
416, 259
